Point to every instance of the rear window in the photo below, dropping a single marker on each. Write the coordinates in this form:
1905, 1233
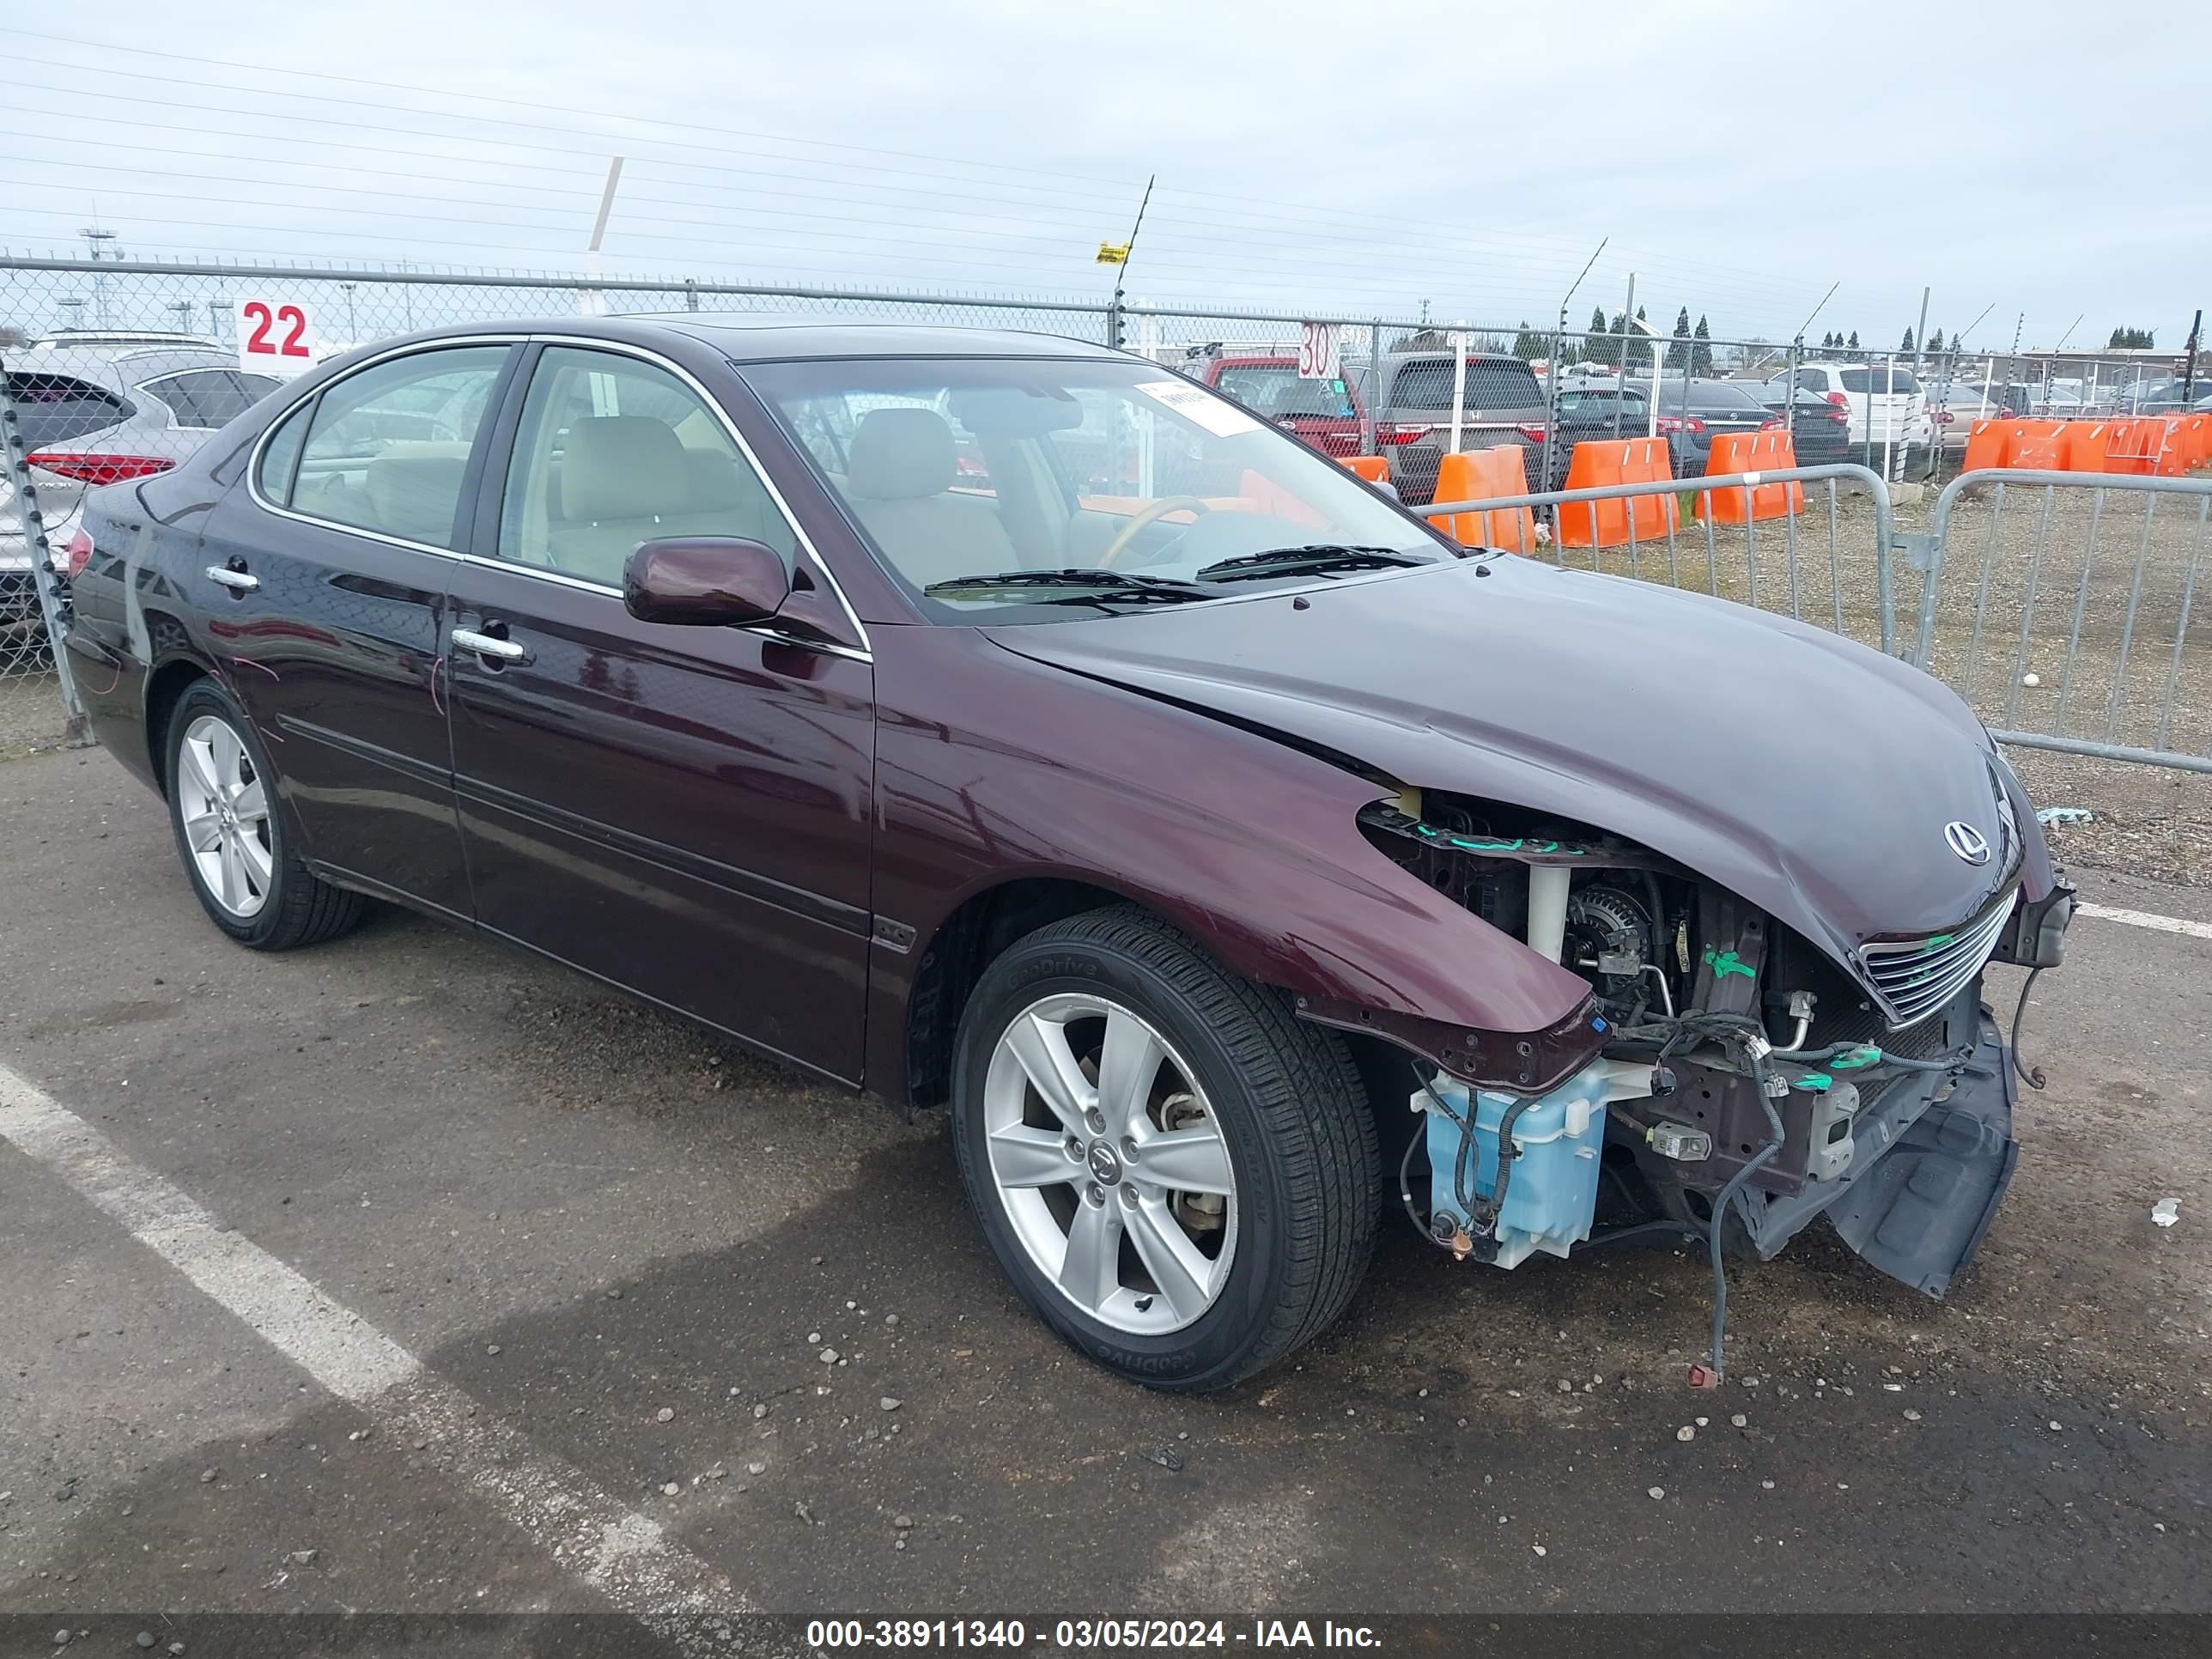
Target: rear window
54, 408
1722, 397
1600, 405
1489, 385
1879, 380
210, 397
1275, 390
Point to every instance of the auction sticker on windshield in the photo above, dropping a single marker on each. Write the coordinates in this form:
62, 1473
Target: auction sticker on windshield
1202, 408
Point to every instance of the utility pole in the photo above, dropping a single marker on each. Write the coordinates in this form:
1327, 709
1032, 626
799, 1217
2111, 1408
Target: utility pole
592, 300
353, 335
2188, 368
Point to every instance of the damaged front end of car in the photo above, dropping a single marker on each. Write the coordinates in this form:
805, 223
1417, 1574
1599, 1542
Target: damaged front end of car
1730, 1078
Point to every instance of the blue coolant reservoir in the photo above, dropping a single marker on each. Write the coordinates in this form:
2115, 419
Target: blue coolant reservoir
1552, 1192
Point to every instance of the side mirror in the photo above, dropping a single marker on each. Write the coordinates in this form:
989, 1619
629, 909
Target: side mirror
709, 581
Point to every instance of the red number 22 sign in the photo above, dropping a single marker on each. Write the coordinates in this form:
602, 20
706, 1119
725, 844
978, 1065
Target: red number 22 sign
273, 336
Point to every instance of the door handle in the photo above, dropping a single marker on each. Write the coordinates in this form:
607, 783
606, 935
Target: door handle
490, 646
236, 581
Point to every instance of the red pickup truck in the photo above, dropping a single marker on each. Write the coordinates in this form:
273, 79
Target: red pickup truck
1324, 414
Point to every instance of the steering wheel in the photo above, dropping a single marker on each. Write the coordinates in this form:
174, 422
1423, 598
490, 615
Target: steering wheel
1144, 519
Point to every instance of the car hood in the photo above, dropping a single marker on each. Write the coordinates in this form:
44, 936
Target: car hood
1804, 772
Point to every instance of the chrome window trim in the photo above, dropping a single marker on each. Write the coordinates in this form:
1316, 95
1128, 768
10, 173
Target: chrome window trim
865, 653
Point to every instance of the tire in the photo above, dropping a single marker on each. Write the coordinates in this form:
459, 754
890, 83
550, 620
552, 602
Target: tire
274, 903
1241, 1086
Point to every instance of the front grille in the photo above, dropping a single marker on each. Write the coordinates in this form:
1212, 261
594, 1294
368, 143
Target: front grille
1915, 977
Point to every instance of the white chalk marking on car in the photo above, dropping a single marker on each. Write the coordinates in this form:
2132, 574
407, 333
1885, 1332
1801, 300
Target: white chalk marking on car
2145, 919
626, 1556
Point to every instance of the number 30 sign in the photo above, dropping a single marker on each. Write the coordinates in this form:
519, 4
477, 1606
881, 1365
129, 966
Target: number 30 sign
273, 336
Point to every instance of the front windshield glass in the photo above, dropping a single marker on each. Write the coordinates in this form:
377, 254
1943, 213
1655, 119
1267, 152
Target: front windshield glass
1051, 470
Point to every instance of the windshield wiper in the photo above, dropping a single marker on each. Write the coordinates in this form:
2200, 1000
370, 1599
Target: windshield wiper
1309, 559
1105, 587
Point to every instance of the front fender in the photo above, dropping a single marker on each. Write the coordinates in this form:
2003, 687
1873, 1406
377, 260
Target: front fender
994, 768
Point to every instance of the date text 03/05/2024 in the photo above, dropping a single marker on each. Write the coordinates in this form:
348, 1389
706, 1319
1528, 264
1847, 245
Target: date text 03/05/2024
1081, 1635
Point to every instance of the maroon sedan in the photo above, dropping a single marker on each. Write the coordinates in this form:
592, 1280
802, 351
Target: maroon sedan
1008, 725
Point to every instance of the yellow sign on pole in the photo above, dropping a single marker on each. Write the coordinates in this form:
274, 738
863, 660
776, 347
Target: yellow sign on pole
1113, 254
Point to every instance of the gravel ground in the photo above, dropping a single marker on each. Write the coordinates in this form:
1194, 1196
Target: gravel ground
30, 712
628, 1246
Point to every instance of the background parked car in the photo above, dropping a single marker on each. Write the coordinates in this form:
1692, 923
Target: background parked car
1820, 431
101, 409
2159, 396
1322, 413
1954, 408
1690, 420
1885, 403
1413, 413
1598, 409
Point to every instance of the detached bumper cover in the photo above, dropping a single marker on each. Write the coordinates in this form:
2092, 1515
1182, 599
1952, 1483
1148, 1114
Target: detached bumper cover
1919, 1212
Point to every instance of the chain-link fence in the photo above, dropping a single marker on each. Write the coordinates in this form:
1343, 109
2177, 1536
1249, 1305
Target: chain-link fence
115, 370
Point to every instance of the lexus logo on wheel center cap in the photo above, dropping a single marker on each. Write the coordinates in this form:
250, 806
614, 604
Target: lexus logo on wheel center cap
1968, 843
1105, 1168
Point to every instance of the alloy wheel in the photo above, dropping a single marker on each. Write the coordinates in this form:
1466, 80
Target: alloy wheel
224, 807
1110, 1163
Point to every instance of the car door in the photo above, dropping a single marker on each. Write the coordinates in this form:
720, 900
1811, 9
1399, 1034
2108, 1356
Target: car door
324, 578
683, 810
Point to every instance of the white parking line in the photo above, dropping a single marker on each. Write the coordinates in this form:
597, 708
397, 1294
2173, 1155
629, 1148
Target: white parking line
624, 1555
2145, 919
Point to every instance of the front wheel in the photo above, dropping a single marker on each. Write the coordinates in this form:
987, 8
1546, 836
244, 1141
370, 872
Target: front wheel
1177, 1174
233, 840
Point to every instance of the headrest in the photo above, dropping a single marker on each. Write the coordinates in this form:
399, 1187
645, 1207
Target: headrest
899, 454
414, 495
623, 466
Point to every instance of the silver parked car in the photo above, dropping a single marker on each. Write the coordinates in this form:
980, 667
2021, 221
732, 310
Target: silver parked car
99, 408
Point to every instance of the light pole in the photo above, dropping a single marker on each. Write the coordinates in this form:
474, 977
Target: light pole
94, 240
183, 310
353, 337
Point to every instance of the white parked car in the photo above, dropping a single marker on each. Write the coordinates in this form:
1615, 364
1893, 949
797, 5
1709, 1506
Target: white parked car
1886, 404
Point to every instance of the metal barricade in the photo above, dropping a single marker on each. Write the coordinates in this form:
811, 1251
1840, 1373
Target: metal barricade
1835, 574
2075, 632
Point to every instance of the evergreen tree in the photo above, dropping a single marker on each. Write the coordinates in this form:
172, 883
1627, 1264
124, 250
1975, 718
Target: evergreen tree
1936, 341
1853, 344
1678, 348
1701, 350
1906, 343
1529, 345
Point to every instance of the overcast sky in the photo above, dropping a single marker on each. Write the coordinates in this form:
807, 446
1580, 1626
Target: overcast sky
1332, 156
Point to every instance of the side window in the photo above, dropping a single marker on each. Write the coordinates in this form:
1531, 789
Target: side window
207, 398
280, 458
390, 444
612, 452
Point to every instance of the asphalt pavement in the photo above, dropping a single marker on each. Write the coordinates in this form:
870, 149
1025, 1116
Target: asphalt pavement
410, 1274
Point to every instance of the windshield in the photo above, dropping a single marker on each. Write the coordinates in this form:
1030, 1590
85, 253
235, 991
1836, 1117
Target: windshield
1052, 469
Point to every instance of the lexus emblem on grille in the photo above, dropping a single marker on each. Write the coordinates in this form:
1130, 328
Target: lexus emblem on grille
1968, 843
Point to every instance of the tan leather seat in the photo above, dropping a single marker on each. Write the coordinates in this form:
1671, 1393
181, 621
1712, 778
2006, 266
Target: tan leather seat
412, 492
625, 479
898, 478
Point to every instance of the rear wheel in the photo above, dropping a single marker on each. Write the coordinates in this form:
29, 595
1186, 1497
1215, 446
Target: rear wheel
1177, 1174
231, 837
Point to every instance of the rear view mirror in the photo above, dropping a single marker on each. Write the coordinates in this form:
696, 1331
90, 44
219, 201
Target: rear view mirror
705, 580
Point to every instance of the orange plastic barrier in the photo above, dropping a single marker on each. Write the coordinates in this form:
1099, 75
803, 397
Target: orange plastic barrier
1375, 469
2037, 452
2196, 440
2173, 444
1985, 445
1750, 451
1480, 475
1609, 524
2132, 446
